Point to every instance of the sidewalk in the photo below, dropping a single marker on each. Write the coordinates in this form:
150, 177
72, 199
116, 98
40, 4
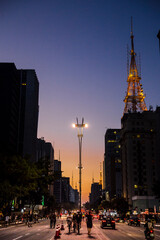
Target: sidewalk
95, 233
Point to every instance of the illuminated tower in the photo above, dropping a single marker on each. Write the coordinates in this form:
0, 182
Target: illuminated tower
134, 99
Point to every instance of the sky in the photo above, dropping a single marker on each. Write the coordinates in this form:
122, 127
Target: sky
78, 49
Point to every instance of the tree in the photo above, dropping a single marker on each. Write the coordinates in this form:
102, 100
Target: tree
104, 205
18, 177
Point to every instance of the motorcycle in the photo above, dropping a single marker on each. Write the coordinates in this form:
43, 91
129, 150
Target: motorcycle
150, 234
137, 223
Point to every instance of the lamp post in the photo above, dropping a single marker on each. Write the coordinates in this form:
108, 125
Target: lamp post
80, 127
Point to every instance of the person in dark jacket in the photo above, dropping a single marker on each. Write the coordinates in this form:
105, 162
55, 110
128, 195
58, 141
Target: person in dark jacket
51, 220
89, 222
54, 220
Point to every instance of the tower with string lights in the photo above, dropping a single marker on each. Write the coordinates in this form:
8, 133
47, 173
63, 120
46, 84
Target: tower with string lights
135, 97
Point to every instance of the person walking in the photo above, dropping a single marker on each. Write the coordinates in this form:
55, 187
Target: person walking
89, 222
51, 220
54, 220
78, 221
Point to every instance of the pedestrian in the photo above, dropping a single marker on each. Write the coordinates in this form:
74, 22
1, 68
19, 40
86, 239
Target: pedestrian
69, 222
78, 221
89, 222
30, 219
51, 220
54, 220
74, 221
7, 220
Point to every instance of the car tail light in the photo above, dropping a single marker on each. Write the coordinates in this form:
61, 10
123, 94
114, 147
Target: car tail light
131, 220
103, 221
138, 220
151, 231
113, 221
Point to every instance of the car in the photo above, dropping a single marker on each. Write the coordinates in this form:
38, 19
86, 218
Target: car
107, 221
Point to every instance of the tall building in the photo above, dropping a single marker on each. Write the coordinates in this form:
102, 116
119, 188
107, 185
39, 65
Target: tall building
112, 164
96, 194
45, 152
10, 107
140, 141
28, 113
19, 105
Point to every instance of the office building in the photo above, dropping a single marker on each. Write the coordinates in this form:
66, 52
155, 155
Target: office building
112, 165
28, 113
10, 108
95, 196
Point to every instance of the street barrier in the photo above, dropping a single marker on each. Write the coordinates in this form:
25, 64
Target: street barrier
57, 232
62, 226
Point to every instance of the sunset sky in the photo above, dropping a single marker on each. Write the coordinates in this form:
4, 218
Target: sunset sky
78, 49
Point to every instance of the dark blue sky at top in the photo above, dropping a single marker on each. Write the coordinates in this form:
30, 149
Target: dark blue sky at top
78, 49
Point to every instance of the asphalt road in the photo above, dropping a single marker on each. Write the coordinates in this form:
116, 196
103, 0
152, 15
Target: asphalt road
125, 232
38, 231
42, 231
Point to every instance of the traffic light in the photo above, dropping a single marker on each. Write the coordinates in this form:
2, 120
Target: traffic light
43, 200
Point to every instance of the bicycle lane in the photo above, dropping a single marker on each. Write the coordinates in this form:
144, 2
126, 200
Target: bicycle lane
95, 233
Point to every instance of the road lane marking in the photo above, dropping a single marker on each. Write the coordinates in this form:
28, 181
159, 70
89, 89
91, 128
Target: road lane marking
129, 234
27, 234
17, 238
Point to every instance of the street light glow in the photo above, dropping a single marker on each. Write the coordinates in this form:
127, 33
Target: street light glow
73, 125
86, 125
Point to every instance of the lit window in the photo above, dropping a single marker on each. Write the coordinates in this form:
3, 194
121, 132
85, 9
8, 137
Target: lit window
138, 136
24, 84
135, 186
115, 132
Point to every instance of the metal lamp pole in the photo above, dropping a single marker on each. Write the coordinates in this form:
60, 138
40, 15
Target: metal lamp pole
80, 127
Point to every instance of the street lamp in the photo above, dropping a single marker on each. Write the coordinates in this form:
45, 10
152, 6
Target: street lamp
80, 127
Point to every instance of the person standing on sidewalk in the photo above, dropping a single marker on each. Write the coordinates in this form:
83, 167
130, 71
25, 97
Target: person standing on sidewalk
78, 221
89, 222
54, 219
51, 220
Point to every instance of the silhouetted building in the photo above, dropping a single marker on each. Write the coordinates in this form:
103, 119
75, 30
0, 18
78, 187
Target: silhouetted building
28, 113
10, 108
19, 105
112, 164
45, 153
96, 194
62, 190
57, 168
140, 141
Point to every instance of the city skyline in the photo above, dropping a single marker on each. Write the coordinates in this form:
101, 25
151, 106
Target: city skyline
78, 50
